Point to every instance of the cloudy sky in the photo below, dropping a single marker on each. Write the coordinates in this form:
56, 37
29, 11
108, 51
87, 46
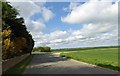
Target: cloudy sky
71, 24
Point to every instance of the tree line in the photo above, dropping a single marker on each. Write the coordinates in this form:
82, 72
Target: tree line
42, 49
16, 40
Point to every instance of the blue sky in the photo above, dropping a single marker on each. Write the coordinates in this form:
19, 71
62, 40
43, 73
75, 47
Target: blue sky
55, 23
71, 24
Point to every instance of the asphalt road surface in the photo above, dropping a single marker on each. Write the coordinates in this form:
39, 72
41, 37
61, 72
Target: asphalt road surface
53, 64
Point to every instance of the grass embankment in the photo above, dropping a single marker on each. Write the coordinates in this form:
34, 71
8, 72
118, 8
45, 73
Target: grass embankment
20, 67
105, 57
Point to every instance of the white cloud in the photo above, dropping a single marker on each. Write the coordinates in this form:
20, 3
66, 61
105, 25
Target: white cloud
92, 12
47, 14
26, 9
38, 25
52, 38
97, 28
76, 38
58, 34
34, 26
73, 5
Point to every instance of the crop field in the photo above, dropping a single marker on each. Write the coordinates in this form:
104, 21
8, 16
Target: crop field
105, 57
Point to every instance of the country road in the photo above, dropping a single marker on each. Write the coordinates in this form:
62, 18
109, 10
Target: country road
53, 64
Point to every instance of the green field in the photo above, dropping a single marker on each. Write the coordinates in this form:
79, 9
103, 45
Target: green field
105, 57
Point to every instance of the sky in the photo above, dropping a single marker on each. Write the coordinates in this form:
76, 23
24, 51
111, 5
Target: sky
71, 24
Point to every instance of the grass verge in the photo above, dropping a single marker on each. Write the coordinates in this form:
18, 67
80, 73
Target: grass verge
20, 67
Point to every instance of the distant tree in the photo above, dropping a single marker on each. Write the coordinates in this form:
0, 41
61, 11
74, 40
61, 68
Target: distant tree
42, 49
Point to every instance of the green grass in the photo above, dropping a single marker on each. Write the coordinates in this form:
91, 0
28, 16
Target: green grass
105, 57
20, 67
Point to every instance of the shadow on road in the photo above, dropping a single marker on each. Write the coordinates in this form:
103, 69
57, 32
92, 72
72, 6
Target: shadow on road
46, 58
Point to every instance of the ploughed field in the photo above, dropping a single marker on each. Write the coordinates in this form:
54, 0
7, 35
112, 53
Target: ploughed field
106, 56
